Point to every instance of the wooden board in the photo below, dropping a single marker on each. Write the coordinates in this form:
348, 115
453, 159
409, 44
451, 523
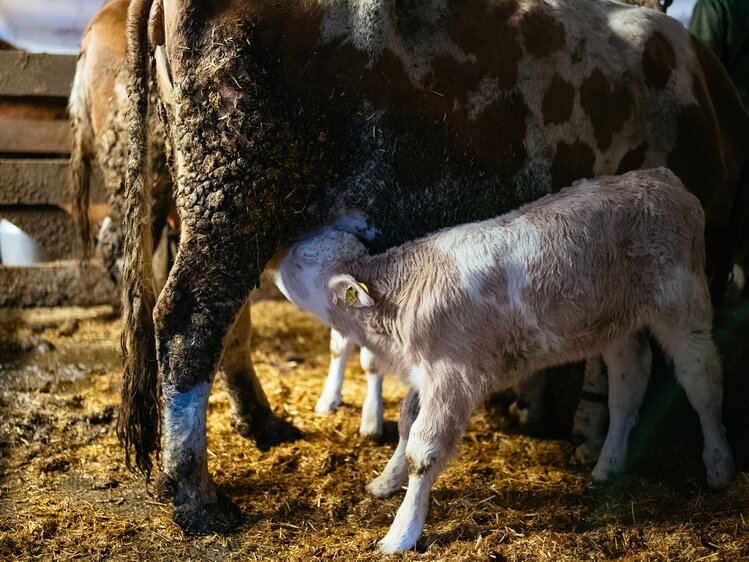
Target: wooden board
34, 136
41, 182
35, 74
62, 283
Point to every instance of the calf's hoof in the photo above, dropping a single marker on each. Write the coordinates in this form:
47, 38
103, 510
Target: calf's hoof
386, 485
370, 430
399, 539
721, 470
326, 405
587, 453
221, 517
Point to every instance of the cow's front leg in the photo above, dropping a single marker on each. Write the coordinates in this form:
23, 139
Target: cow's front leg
251, 414
203, 295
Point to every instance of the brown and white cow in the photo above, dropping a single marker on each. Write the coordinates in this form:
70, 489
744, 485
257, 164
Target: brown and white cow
478, 307
98, 106
401, 117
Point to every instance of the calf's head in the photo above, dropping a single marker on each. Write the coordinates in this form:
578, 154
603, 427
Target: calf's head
315, 274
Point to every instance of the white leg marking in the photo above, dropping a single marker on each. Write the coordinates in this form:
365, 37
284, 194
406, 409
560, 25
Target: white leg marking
434, 436
185, 437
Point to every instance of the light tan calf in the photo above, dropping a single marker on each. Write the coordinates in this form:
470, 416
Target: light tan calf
477, 308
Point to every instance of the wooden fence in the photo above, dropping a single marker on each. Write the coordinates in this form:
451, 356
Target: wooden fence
35, 195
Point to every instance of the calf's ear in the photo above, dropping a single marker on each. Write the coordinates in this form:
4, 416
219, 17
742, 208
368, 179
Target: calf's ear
348, 291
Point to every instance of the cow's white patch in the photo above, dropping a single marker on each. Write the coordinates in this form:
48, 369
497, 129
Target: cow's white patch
355, 222
184, 424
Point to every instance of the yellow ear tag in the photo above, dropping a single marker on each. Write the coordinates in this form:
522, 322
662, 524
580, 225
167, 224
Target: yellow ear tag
351, 294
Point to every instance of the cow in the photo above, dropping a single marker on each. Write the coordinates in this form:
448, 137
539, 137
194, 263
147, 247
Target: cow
591, 415
473, 309
98, 107
396, 117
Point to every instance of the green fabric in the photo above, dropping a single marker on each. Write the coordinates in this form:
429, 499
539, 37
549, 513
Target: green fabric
724, 26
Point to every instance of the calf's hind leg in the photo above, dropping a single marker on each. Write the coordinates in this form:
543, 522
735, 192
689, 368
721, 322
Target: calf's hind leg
203, 295
251, 413
698, 370
628, 362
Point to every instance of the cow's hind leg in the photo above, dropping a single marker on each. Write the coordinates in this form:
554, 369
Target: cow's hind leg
628, 362
341, 349
251, 414
395, 474
203, 295
592, 414
528, 407
698, 370
372, 414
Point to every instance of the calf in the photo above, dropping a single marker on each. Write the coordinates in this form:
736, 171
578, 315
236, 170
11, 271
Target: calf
477, 308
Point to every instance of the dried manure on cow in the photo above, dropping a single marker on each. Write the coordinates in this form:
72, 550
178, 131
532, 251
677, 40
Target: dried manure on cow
406, 117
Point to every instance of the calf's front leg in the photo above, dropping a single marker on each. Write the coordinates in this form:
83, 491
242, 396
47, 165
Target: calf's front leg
395, 474
341, 349
434, 436
372, 414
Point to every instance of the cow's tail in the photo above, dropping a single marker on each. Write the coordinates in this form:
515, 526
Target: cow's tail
138, 424
80, 159
737, 224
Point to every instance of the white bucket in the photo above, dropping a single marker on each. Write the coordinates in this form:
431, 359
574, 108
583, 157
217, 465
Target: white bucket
17, 247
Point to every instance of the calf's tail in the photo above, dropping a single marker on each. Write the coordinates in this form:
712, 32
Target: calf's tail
138, 424
80, 159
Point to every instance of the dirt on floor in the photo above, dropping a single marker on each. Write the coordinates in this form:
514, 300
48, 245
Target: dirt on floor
65, 493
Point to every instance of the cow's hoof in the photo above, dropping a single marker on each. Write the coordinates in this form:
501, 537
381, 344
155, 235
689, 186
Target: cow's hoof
221, 517
273, 431
587, 453
164, 487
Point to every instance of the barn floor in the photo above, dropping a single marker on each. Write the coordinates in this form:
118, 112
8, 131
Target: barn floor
65, 494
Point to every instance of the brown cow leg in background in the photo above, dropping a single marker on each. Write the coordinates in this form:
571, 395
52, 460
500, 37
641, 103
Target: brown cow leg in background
251, 413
